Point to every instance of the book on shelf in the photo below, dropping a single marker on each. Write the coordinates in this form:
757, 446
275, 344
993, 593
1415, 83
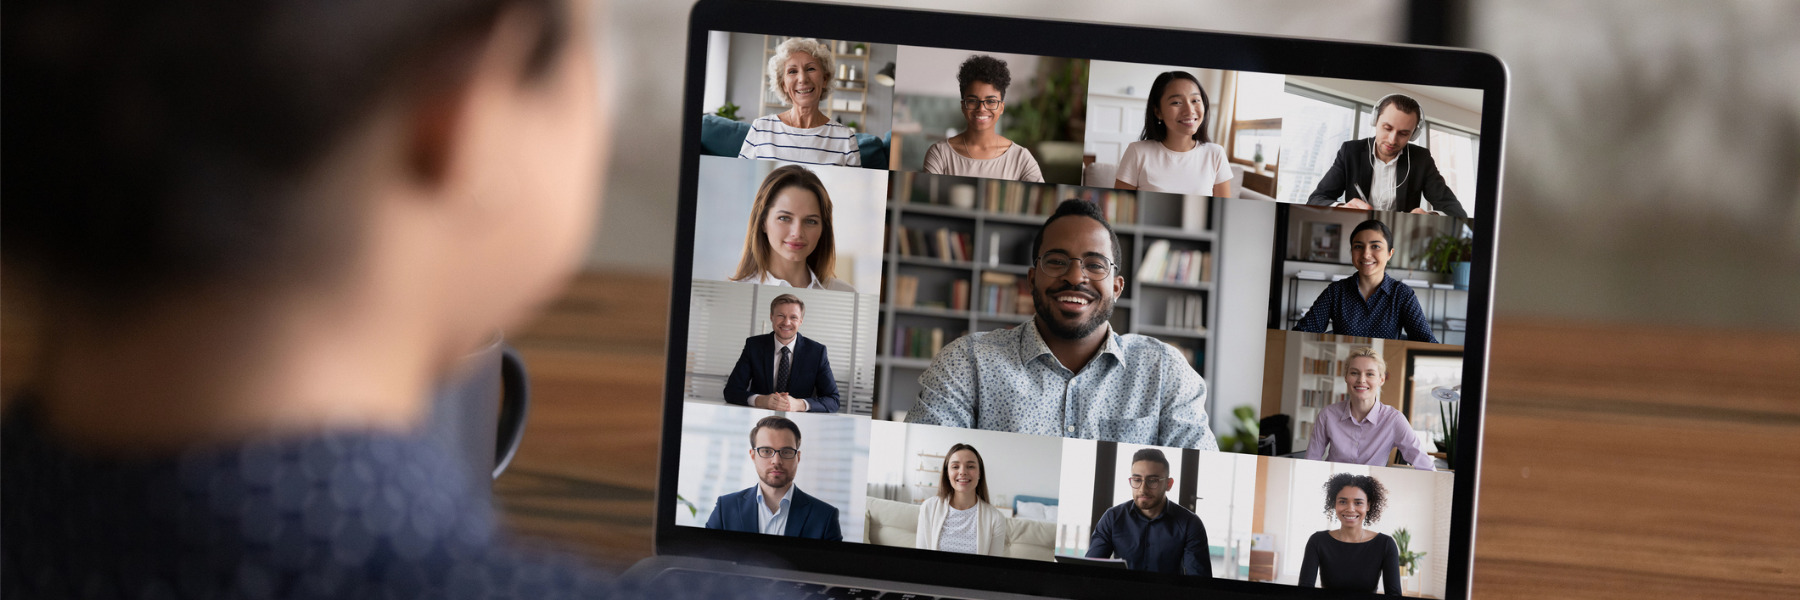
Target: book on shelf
959, 295
1186, 311
1119, 206
1194, 214
998, 291
1321, 366
1163, 264
1319, 398
906, 291
942, 244
1019, 198
920, 342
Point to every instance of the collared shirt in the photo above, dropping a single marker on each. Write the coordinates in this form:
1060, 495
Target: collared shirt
773, 523
1383, 186
1173, 542
767, 278
775, 370
1389, 310
1368, 441
1137, 389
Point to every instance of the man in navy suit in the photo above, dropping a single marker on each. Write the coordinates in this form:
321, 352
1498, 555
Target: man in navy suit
781, 370
1384, 171
774, 506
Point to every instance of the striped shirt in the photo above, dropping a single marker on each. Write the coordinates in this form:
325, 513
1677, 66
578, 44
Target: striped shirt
828, 144
1390, 312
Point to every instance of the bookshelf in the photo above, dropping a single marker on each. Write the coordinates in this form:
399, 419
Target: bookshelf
849, 87
1315, 377
958, 251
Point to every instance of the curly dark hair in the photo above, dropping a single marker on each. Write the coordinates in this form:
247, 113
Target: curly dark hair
986, 69
1373, 489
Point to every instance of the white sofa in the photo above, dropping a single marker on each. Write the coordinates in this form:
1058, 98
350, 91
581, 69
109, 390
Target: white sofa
891, 523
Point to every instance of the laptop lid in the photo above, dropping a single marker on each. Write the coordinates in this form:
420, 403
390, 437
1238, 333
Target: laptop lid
1280, 363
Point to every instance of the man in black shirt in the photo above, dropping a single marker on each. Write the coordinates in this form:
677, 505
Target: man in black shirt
1148, 531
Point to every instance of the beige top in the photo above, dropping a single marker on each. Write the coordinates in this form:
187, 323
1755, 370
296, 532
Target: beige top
1015, 163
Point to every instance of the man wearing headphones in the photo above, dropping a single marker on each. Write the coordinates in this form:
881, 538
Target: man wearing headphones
1385, 172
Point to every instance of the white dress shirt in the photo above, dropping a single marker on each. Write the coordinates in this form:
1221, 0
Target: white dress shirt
773, 523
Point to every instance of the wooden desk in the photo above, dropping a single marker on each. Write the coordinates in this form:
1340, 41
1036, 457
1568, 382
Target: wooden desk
1622, 461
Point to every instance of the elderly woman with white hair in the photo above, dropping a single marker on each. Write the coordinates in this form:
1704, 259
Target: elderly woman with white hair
800, 75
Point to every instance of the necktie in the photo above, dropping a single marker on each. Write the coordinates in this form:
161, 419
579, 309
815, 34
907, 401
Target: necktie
781, 372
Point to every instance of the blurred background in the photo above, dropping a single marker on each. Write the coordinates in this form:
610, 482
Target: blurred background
1652, 166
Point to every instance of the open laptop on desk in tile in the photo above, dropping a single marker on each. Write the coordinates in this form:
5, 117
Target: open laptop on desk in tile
958, 295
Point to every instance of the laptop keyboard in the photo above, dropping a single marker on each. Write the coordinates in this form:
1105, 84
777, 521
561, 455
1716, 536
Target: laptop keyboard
751, 586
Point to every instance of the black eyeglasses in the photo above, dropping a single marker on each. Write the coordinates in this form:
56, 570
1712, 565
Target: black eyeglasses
989, 103
1138, 482
786, 453
1055, 264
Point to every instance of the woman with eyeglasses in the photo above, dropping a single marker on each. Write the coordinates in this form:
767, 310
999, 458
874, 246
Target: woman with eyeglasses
959, 518
1352, 557
980, 150
1175, 154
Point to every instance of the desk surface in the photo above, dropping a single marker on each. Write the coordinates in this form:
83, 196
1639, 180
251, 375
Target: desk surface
1622, 461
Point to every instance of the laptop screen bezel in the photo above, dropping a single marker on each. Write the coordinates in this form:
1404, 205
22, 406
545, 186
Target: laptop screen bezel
983, 33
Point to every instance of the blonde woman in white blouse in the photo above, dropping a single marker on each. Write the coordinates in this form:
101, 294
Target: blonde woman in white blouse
959, 518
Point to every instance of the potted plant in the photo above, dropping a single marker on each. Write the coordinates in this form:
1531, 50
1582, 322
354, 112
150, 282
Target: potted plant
727, 111
1244, 438
1449, 416
1409, 560
1050, 122
1450, 253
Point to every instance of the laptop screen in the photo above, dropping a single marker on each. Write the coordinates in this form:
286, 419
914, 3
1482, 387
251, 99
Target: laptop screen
1193, 322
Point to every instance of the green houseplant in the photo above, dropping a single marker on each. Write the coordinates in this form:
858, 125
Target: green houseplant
1409, 560
728, 111
1450, 254
1244, 438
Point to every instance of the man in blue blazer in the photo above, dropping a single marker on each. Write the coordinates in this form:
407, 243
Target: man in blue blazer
781, 370
774, 506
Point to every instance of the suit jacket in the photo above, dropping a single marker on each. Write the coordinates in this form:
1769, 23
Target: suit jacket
1421, 173
808, 517
809, 377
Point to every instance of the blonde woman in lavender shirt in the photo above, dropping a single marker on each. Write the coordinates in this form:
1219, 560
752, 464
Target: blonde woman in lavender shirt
1361, 430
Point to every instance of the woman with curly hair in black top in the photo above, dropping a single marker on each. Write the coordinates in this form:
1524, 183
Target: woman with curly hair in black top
980, 150
1352, 557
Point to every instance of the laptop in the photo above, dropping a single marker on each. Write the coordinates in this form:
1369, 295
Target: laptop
976, 306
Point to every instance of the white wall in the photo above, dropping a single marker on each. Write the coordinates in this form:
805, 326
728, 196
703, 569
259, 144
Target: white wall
1460, 107
923, 71
1246, 242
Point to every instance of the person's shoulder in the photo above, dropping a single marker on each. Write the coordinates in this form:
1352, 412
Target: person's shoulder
805, 342
1141, 147
1137, 345
801, 497
760, 338
767, 122
1116, 510
1320, 537
1355, 145
1387, 541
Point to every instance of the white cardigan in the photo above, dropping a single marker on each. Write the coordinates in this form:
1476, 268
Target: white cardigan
990, 526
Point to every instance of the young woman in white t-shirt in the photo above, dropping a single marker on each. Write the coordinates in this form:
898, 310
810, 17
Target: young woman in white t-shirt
1175, 154
959, 518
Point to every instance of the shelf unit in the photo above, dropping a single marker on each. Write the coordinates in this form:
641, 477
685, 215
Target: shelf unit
851, 82
999, 241
1315, 379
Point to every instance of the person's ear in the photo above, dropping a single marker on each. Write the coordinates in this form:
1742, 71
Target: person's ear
1118, 286
1168, 484
439, 108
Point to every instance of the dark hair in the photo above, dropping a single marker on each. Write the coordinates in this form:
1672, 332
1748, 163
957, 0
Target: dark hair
774, 422
1075, 207
944, 490
756, 257
1153, 126
1373, 489
1152, 455
786, 299
1403, 103
1387, 235
156, 147
985, 69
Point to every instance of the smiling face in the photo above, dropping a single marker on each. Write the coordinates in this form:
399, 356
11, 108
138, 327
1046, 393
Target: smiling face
786, 320
803, 79
1351, 506
775, 471
1363, 375
1369, 253
964, 469
1154, 485
1070, 305
1393, 129
975, 109
794, 223
1181, 109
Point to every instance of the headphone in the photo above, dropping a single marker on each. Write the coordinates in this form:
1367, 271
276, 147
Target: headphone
1380, 106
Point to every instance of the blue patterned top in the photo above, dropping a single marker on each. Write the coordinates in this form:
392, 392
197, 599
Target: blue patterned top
1388, 310
1137, 390
342, 515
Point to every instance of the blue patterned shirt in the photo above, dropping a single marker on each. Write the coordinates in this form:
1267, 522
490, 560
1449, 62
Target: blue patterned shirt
1137, 390
1388, 310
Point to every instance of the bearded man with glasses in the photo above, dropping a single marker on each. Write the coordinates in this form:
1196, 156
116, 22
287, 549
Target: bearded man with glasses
774, 506
1066, 372
1148, 531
